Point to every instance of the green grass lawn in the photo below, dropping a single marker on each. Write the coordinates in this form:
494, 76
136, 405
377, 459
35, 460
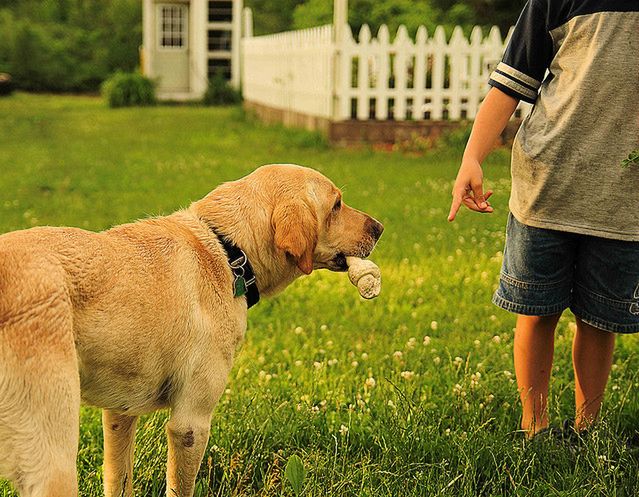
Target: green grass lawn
411, 394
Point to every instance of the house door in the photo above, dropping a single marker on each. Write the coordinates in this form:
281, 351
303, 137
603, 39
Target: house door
172, 58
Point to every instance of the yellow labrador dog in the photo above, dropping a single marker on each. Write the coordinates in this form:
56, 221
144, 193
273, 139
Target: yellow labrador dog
148, 315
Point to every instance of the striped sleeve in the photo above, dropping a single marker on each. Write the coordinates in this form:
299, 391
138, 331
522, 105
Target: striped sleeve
527, 56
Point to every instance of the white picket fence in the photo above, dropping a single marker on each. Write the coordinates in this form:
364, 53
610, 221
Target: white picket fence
428, 78
291, 71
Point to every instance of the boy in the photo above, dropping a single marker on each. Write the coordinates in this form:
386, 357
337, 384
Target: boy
573, 232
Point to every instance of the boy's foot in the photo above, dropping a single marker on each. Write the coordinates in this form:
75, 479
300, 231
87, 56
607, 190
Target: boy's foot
548, 433
632, 443
573, 438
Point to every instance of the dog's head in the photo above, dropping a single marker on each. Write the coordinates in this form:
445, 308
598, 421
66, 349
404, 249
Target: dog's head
311, 222
293, 216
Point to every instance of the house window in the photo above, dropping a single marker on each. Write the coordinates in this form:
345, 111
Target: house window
220, 11
172, 32
219, 40
219, 66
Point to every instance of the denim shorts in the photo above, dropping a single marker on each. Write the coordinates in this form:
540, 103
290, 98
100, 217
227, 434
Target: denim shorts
546, 271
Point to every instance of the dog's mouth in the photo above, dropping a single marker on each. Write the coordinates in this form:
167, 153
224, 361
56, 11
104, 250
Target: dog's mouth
339, 263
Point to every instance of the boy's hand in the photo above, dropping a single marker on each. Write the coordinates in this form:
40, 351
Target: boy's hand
468, 190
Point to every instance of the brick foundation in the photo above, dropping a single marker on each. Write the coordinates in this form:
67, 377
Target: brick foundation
354, 132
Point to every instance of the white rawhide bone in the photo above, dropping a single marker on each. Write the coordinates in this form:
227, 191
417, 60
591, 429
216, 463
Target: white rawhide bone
365, 275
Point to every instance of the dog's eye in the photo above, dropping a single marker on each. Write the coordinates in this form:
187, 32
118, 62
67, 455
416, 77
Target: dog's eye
337, 205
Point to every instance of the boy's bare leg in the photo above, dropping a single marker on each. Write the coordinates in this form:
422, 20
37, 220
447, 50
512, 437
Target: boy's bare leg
592, 350
533, 351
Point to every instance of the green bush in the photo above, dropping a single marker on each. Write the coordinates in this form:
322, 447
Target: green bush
220, 92
128, 90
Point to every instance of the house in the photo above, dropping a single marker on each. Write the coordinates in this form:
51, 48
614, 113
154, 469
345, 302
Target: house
185, 42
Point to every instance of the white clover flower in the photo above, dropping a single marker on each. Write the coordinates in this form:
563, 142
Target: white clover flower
354, 364
299, 330
323, 327
397, 354
390, 403
332, 362
298, 363
447, 432
496, 339
370, 382
458, 361
426, 341
476, 343
434, 325
343, 430
364, 356
407, 375
317, 365
411, 343
437, 360
508, 374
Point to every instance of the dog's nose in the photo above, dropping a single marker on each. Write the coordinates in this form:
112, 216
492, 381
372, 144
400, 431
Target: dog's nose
375, 228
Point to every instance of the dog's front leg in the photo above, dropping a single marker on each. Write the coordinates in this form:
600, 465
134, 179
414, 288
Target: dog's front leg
119, 444
187, 436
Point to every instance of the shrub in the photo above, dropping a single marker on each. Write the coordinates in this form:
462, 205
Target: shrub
128, 90
220, 92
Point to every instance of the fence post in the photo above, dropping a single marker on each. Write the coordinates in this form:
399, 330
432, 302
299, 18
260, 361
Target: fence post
440, 56
419, 74
458, 70
248, 22
381, 100
362, 91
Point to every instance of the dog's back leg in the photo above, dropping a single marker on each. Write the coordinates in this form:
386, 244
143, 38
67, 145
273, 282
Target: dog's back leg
40, 399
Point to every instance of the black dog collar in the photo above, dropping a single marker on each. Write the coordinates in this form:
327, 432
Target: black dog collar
244, 282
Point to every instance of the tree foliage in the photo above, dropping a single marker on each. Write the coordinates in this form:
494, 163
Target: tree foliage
412, 13
74, 45
68, 45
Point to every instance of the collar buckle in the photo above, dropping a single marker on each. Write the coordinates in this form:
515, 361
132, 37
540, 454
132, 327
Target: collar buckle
244, 280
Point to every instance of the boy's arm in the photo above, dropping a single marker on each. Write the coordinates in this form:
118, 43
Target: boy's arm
493, 115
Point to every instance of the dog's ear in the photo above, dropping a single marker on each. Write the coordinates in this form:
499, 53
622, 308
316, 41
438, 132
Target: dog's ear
295, 227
